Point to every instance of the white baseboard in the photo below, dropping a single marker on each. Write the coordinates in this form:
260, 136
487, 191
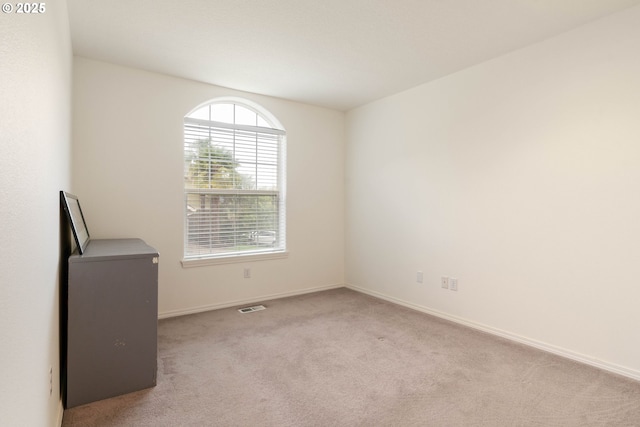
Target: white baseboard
209, 307
601, 364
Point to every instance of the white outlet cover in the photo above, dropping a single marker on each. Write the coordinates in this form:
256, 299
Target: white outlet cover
444, 282
453, 284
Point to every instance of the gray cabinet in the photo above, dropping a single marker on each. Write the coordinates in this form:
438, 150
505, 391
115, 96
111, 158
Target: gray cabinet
112, 320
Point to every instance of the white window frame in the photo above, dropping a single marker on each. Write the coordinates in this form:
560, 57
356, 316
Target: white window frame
274, 128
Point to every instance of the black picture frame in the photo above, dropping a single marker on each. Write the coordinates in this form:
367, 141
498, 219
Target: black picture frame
71, 206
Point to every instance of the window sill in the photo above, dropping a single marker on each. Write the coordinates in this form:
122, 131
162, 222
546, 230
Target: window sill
233, 259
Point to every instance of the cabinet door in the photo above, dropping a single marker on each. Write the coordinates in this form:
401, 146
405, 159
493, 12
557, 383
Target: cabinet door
112, 328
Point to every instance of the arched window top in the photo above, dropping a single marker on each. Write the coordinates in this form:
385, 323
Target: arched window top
235, 111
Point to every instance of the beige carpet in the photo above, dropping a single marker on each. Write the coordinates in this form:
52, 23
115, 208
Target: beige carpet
340, 358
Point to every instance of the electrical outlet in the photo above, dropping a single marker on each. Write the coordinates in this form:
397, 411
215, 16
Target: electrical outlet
453, 284
50, 380
419, 277
444, 282
247, 273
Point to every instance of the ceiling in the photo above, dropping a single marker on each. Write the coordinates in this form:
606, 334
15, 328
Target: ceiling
333, 53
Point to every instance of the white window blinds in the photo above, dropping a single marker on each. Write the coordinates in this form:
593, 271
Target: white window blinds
233, 183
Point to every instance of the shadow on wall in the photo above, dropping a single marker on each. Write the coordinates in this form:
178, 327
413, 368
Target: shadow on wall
66, 248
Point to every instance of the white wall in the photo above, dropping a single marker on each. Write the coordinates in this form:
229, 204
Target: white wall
35, 111
128, 173
521, 178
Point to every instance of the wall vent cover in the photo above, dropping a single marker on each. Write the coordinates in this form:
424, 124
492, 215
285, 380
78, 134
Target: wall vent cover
252, 309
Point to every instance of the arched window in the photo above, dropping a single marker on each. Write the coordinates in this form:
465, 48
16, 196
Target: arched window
234, 181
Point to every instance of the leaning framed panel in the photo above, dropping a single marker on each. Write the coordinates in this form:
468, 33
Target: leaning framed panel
71, 206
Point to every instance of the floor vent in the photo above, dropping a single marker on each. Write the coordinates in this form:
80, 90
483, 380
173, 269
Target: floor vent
252, 309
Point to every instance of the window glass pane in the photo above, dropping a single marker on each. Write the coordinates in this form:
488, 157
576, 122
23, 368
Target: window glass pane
244, 116
263, 123
222, 113
231, 223
201, 113
267, 177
